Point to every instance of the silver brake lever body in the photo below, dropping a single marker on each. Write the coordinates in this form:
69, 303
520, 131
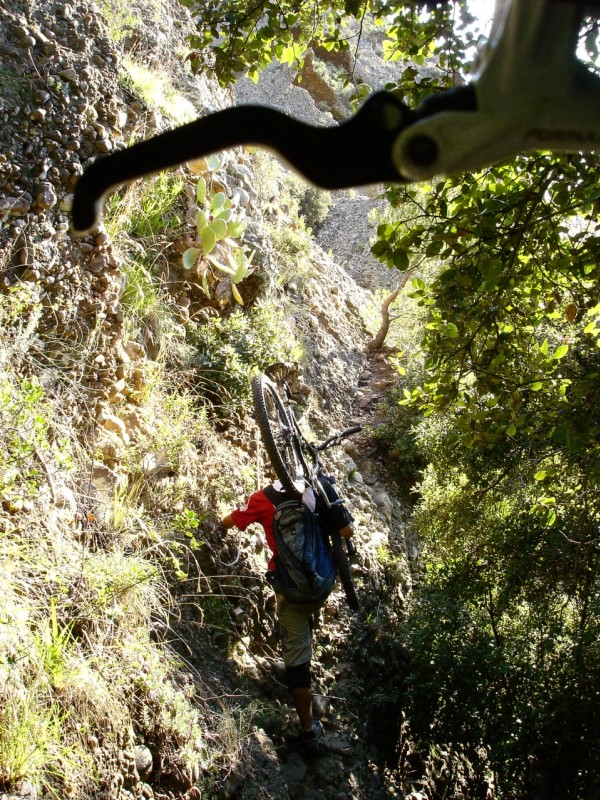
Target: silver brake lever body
531, 92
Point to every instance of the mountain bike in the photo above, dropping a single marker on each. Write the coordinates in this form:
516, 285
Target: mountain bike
295, 460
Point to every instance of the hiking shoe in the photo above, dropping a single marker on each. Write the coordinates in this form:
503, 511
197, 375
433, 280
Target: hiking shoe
314, 734
313, 740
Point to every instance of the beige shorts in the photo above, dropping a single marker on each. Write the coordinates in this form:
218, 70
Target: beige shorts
295, 625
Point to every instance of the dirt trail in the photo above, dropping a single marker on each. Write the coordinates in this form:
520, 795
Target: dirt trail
349, 655
348, 661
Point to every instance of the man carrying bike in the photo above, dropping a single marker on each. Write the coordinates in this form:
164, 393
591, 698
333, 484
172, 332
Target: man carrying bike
295, 620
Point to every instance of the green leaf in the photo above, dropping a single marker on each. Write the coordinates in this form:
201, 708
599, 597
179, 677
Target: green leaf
218, 201
208, 239
560, 352
214, 161
235, 229
190, 257
201, 221
220, 266
380, 248
224, 213
434, 248
401, 260
243, 265
236, 294
290, 54
201, 190
219, 228
384, 231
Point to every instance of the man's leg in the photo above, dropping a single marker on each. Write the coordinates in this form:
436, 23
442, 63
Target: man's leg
296, 625
301, 695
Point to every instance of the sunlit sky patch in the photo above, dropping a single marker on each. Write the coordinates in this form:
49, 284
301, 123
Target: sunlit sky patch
484, 11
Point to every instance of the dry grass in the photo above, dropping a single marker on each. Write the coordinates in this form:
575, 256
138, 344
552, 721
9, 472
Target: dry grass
82, 590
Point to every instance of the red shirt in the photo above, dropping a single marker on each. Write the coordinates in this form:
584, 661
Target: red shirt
258, 508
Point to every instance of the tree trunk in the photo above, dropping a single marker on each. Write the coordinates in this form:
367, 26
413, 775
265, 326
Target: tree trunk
377, 342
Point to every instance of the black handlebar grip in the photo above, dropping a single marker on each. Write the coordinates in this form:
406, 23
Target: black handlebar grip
336, 157
351, 431
88, 198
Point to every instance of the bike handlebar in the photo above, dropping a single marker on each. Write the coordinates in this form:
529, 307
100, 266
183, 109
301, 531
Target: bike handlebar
337, 437
530, 93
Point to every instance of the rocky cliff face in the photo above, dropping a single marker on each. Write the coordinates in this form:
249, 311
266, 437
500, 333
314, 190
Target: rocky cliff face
62, 104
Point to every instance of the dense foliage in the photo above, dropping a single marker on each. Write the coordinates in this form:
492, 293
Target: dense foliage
235, 37
503, 633
229, 351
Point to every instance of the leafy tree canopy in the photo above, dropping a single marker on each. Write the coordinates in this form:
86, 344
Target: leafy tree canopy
511, 339
238, 37
506, 619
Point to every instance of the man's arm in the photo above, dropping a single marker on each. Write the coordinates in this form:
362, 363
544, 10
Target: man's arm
347, 531
227, 522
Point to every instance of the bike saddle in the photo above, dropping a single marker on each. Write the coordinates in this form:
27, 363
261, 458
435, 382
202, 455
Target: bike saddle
278, 372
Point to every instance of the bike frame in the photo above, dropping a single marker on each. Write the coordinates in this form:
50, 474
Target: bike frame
290, 452
297, 434
315, 469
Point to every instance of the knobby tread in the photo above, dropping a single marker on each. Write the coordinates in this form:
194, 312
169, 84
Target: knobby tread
261, 384
340, 556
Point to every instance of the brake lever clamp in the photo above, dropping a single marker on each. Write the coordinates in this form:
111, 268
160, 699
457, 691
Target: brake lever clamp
355, 153
530, 92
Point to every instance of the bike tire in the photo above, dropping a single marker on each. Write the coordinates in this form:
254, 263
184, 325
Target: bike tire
340, 555
277, 434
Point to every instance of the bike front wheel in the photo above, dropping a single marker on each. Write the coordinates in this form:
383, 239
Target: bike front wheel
278, 435
340, 556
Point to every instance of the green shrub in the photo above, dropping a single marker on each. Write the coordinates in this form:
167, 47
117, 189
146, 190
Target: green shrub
146, 209
27, 443
230, 350
507, 688
293, 248
142, 222
122, 22
142, 294
156, 89
397, 438
314, 206
502, 635
216, 259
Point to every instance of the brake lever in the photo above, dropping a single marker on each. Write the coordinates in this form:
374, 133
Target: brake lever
355, 153
530, 93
